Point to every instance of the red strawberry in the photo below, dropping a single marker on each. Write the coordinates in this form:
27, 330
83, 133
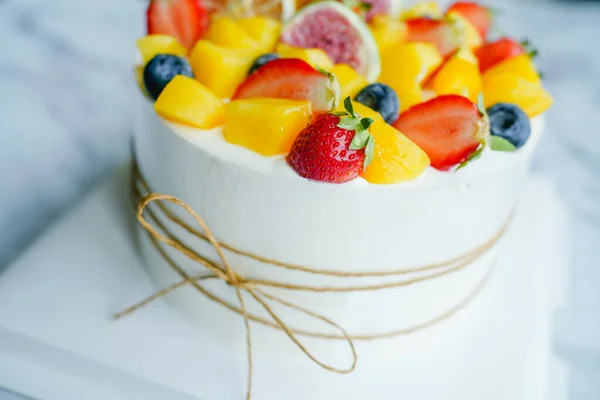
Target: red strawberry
449, 128
334, 147
321, 152
480, 16
187, 20
439, 32
291, 78
502, 49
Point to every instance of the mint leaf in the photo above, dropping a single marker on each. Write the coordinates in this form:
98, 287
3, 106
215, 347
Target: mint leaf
349, 123
500, 144
369, 151
366, 122
360, 140
348, 106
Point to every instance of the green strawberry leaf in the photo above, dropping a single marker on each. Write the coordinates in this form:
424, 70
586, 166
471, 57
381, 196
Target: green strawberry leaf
474, 156
500, 144
348, 106
366, 122
349, 123
360, 139
340, 113
369, 151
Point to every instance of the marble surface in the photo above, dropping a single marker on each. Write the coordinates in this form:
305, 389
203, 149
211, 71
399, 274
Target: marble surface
65, 121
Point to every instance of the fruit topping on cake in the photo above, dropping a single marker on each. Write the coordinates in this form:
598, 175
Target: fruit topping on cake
186, 20
315, 57
341, 33
449, 128
219, 68
262, 60
186, 101
406, 68
351, 82
502, 49
266, 126
444, 34
396, 158
334, 148
477, 14
509, 126
381, 98
161, 70
294, 79
410, 83
459, 74
516, 80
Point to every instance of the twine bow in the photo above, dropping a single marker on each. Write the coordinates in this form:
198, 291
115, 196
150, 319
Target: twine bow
226, 273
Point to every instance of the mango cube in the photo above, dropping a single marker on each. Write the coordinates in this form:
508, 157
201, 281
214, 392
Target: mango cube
397, 158
351, 82
186, 101
264, 125
226, 32
315, 57
265, 31
151, 45
219, 68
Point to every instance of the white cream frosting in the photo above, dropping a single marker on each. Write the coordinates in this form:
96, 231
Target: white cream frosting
259, 204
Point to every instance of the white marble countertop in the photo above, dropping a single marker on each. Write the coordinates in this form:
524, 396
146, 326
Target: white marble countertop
65, 121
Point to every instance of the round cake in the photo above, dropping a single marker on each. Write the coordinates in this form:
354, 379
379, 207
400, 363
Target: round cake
368, 184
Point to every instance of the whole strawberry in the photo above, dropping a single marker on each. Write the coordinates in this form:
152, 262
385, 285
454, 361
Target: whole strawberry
334, 148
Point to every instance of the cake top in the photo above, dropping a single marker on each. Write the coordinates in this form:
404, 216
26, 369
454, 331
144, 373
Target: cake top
343, 90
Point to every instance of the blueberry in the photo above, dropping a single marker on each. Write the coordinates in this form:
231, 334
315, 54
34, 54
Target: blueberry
382, 99
509, 122
262, 60
161, 70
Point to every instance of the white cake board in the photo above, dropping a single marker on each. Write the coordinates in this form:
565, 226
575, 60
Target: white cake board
58, 341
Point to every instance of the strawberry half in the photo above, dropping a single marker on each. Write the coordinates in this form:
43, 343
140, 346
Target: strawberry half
334, 148
442, 33
480, 16
502, 49
187, 20
291, 78
450, 129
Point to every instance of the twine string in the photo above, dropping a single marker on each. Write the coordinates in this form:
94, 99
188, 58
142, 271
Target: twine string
253, 287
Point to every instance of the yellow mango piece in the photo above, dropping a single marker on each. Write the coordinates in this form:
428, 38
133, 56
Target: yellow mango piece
264, 30
226, 32
387, 31
422, 9
511, 88
315, 57
351, 82
471, 35
405, 69
459, 75
186, 101
219, 68
264, 125
521, 65
151, 45
397, 158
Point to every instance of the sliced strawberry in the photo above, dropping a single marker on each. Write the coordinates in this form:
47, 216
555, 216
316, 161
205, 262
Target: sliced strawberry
321, 152
448, 128
479, 15
291, 78
440, 32
187, 20
502, 49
